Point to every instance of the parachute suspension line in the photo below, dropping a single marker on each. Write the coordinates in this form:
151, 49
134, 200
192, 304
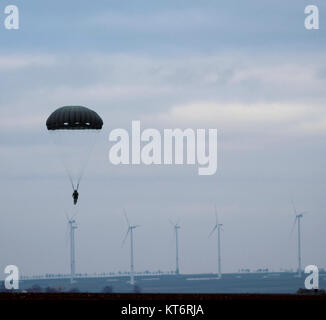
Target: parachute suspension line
82, 171
57, 140
72, 183
69, 175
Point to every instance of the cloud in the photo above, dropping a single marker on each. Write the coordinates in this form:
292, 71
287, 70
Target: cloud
259, 122
19, 62
236, 93
21, 122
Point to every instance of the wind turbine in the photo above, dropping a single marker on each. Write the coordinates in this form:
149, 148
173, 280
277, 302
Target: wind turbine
72, 226
297, 220
218, 227
176, 229
130, 231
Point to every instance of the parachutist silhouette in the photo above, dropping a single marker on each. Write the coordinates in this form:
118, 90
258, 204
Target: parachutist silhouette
75, 196
63, 123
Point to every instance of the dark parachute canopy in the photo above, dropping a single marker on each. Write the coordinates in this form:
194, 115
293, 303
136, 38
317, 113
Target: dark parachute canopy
74, 130
74, 118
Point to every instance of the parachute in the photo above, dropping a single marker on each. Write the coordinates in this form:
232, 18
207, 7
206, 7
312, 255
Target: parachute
74, 130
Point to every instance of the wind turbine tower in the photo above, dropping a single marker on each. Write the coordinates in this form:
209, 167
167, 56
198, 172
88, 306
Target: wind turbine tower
176, 227
130, 231
218, 227
72, 226
298, 217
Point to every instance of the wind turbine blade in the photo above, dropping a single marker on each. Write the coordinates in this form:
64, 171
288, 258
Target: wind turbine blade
172, 223
126, 217
212, 231
137, 226
125, 238
295, 222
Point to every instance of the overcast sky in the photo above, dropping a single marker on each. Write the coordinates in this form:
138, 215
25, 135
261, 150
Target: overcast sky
247, 68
